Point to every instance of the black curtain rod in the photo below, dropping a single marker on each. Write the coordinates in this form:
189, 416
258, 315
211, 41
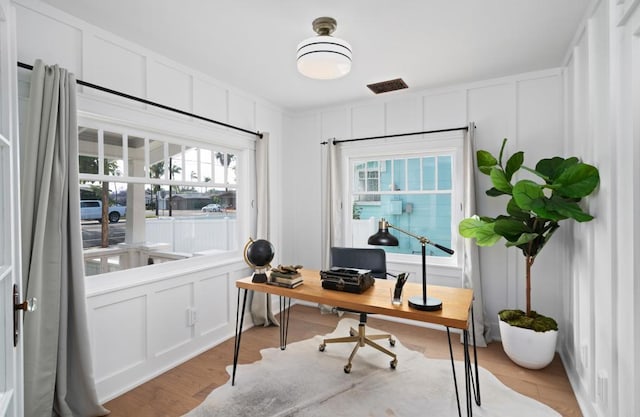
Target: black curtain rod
335, 142
151, 103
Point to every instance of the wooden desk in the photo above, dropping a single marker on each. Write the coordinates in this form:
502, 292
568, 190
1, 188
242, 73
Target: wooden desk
455, 313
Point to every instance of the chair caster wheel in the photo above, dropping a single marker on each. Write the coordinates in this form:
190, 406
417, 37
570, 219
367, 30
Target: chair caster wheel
347, 368
392, 342
352, 333
321, 347
393, 364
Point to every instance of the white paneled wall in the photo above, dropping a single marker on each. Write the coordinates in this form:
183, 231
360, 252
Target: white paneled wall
145, 321
603, 122
528, 109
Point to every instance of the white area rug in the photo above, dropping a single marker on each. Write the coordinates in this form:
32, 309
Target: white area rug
301, 381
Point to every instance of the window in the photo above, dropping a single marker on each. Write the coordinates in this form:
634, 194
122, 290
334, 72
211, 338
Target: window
147, 199
415, 187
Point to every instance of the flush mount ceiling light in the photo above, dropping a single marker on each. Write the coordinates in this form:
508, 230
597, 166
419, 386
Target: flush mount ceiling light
324, 57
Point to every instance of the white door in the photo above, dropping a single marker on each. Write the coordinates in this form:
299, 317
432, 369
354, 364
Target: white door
11, 392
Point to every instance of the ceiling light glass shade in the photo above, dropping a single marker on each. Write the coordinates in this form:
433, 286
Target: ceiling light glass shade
324, 57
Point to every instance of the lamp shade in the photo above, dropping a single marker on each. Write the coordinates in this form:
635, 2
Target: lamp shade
382, 237
324, 57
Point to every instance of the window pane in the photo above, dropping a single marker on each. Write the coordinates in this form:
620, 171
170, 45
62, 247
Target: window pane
426, 215
444, 173
176, 170
156, 159
113, 164
399, 175
88, 151
385, 175
429, 173
206, 165
413, 178
173, 218
426, 211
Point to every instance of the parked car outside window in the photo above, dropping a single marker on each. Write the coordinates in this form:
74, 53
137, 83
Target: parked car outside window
210, 208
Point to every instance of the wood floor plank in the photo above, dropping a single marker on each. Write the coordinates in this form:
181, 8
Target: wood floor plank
181, 389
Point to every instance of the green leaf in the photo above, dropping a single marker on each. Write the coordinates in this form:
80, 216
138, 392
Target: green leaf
528, 195
513, 164
545, 212
510, 229
486, 161
523, 239
568, 209
500, 181
482, 231
493, 192
549, 167
577, 181
515, 211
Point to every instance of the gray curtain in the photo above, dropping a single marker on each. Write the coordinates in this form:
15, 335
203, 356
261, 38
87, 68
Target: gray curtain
58, 375
260, 304
332, 202
471, 260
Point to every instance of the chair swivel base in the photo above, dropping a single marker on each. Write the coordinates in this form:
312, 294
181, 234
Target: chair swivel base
362, 339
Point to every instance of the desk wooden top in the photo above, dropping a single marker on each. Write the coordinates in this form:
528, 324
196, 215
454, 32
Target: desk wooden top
456, 302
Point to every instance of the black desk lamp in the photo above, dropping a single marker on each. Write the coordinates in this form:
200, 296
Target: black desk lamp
384, 238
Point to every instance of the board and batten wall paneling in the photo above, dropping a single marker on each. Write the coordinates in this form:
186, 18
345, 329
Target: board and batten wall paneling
169, 86
55, 42
209, 99
301, 209
140, 331
445, 110
403, 115
367, 120
539, 123
115, 66
123, 346
603, 113
493, 109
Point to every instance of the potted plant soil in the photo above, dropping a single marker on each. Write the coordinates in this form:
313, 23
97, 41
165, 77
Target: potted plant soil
534, 210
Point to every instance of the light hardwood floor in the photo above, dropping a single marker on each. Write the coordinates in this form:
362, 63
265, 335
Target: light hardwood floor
184, 387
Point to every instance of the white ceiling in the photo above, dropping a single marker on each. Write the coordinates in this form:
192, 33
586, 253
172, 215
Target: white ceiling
251, 44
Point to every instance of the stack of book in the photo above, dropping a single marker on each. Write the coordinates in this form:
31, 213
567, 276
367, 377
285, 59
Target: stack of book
285, 279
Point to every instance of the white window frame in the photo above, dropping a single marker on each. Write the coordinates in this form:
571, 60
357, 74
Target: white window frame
437, 143
203, 138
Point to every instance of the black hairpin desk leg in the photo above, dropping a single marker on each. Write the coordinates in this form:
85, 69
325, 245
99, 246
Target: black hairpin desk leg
239, 324
469, 383
285, 309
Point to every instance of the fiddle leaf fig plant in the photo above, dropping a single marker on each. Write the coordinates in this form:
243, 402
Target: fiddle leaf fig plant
534, 209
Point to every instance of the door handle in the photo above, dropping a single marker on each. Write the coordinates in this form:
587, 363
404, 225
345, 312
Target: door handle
26, 306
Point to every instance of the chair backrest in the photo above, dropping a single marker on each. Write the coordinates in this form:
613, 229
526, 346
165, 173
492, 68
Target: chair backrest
362, 258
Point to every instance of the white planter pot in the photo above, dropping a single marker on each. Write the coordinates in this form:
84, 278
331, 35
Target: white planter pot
527, 348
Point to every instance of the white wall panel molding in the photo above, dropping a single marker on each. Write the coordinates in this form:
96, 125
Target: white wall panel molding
60, 42
141, 329
163, 79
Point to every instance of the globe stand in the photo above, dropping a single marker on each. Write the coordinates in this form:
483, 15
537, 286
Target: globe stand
260, 276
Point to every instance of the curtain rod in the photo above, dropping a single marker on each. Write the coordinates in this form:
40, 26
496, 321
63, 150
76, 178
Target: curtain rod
335, 142
151, 103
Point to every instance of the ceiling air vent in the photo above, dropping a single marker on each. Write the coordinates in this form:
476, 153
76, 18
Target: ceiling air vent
386, 86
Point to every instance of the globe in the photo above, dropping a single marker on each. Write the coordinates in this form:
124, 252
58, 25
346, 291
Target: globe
258, 254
